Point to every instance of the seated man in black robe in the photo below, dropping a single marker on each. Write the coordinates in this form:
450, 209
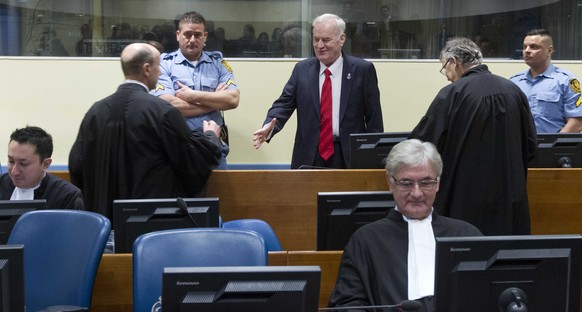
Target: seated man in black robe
393, 259
29, 157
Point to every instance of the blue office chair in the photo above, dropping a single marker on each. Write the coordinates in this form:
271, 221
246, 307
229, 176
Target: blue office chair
258, 226
186, 248
62, 251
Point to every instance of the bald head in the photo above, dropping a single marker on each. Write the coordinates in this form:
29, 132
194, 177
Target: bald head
140, 61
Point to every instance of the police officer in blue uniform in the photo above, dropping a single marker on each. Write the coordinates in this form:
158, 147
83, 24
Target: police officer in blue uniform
199, 83
553, 93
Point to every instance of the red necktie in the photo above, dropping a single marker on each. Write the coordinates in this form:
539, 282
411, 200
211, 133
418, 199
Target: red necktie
325, 132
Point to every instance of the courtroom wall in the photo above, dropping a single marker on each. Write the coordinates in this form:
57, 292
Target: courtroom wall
55, 93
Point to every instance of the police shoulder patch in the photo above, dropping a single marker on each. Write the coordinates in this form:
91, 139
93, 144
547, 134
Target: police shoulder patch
575, 85
225, 63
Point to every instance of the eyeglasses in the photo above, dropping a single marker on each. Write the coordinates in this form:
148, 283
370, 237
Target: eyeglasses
442, 71
408, 185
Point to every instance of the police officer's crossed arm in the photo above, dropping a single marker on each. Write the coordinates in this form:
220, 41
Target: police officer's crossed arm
573, 124
194, 102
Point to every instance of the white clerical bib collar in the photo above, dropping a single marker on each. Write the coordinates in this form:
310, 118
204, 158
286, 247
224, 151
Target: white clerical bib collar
407, 219
25, 193
421, 257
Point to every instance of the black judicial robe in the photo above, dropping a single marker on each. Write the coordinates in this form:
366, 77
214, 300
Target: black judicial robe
58, 193
374, 265
134, 145
483, 129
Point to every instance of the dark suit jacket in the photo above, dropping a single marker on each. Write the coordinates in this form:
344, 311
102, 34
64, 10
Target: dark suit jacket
360, 109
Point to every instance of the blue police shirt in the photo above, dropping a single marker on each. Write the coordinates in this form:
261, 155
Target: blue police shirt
553, 96
206, 75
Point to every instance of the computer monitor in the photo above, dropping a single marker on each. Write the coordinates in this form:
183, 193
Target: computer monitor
11, 210
11, 278
241, 289
558, 150
505, 273
340, 214
134, 217
369, 150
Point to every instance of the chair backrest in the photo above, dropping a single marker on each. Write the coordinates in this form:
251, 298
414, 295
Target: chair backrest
186, 248
62, 251
258, 226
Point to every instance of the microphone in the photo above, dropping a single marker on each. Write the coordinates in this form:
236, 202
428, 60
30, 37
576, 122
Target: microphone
184, 208
79, 203
564, 162
406, 305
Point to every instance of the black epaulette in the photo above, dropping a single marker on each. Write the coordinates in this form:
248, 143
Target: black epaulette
214, 55
169, 56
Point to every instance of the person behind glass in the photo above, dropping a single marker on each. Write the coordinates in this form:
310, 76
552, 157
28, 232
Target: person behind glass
213, 41
393, 259
291, 40
552, 92
276, 44
263, 42
133, 145
248, 41
482, 126
199, 83
29, 157
83, 47
351, 106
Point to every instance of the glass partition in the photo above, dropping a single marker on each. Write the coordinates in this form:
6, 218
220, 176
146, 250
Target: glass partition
389, 29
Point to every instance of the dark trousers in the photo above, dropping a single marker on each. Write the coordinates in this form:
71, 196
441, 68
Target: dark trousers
336, 161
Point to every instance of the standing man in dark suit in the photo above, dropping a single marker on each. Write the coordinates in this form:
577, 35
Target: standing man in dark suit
325, 119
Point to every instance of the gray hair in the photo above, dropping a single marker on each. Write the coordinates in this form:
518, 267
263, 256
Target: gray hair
464, 50
414, 153
341, 24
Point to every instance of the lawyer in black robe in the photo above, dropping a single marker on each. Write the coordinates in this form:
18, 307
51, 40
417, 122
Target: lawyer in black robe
135, 145
373, 269
58, 193
483, 129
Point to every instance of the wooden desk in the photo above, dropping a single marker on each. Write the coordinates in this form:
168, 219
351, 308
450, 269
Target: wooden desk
328, 261
287, 199
113, 284
113, 289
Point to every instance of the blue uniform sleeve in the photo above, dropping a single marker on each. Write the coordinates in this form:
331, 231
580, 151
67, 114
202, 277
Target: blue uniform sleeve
226, 75
572, 99
165, 84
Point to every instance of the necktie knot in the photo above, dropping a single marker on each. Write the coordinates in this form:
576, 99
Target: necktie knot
327, 73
